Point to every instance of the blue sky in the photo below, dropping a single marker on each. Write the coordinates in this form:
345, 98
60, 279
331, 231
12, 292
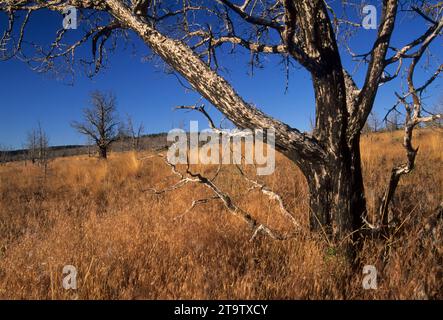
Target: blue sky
148, 94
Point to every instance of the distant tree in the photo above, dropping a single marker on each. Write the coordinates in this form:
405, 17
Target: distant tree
393, 122
438, 109
90, 143
37, 144
122, 136
135, 133
4, 154
129, 135
374, 122
366, 128
42, 146
31, 145
100, 121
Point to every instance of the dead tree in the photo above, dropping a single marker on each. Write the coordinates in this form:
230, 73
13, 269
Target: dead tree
100, 121
414, 116
31, 145
122, 137
5, 154
135, 133
437, 109
392, 122
373, 122
304, 31
42, 147
37, 145
90, 144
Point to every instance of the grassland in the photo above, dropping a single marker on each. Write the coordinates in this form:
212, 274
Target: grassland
128, 243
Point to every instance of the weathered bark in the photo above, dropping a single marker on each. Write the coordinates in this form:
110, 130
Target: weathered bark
337, 201
336, 191
358, 199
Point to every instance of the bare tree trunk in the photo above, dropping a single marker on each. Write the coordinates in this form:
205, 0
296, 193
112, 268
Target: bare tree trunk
103, 152
337, 201
358, 199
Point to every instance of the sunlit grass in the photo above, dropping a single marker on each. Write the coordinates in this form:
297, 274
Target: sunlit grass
128, 243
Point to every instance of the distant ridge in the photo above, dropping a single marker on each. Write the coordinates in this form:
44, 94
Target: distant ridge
147, 142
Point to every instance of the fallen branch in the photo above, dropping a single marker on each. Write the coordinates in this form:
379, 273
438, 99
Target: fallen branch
230, 205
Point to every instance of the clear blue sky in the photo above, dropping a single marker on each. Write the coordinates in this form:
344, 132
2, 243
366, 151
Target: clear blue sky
145, 92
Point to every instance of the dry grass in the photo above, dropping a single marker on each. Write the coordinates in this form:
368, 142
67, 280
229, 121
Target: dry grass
126, 243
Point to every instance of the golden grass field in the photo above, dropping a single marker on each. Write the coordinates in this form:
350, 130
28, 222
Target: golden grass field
128, 243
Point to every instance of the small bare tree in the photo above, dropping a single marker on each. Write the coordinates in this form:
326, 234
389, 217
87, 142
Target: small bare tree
393, 122
4, 154
437, 109
42, 147
31, 145
415, 115
100, 121
90, 143
135, 133
374, 122
37, 144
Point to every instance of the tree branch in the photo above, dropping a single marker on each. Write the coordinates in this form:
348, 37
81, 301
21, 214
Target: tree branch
375, 70
296, 145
